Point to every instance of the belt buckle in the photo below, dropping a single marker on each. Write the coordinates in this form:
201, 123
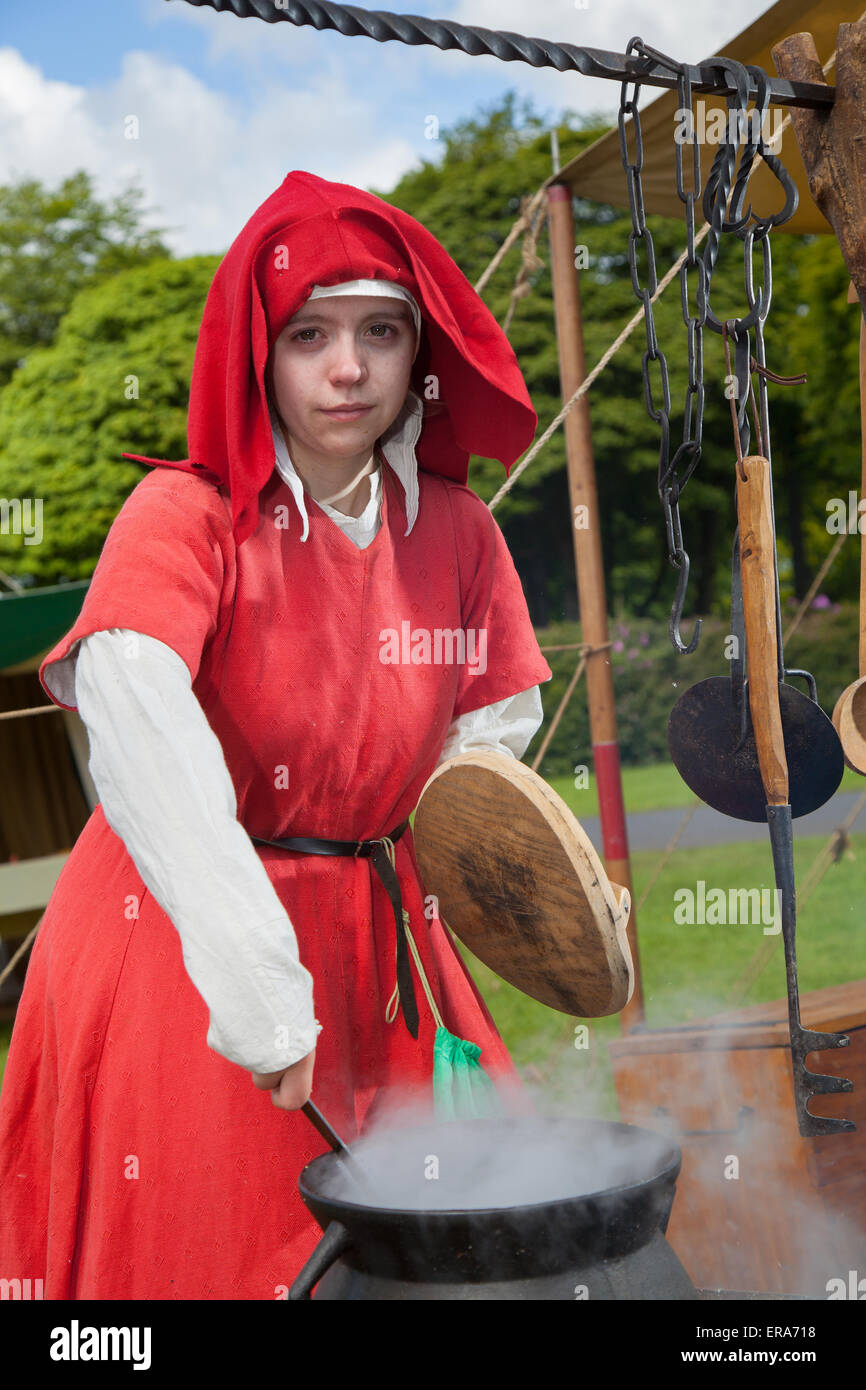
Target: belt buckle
366, 847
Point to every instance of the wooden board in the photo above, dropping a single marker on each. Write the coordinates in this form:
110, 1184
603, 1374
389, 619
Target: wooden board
518, 881
795, 1216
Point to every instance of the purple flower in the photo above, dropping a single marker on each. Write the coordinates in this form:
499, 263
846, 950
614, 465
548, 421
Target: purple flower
821, 601
616, 646
632, 653
622, 629
644, 639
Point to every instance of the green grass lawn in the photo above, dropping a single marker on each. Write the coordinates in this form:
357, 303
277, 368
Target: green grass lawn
688, 972
657, 787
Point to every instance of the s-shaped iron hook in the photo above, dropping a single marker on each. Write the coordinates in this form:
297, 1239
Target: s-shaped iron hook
677, 611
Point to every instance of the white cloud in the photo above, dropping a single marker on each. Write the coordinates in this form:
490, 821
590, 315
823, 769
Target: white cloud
245, 42
347, 108
687, 30
204, 161
40, 121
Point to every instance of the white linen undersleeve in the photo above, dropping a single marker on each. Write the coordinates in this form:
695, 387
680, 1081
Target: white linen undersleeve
166, 791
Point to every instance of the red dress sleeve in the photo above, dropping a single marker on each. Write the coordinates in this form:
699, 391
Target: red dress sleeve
502, 654
166, 569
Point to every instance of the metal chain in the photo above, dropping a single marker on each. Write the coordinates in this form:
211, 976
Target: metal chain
675, 472
759, 304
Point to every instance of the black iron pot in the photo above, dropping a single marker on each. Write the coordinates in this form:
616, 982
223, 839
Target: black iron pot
607, 1243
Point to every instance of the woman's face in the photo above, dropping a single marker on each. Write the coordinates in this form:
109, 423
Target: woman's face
345, 350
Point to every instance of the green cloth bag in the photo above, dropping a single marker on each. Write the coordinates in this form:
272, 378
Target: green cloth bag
460, 1086
462, 1090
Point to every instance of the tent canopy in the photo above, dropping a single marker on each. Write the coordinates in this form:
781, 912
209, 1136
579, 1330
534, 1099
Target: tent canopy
597, 172
33, 620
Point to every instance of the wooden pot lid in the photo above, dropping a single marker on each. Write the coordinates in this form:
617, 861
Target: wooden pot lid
518, 881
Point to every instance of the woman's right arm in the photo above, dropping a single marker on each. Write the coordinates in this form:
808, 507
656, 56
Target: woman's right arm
166, 791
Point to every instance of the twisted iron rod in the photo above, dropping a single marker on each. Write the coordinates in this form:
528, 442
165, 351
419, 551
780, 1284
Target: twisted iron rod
382, 26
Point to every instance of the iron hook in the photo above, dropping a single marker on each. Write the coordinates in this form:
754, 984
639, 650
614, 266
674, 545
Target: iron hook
772, 161
677, 610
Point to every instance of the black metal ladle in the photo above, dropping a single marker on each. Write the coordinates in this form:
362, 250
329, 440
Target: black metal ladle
348, 1160
712, 740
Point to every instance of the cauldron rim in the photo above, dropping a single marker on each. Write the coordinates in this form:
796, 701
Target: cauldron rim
667, 1170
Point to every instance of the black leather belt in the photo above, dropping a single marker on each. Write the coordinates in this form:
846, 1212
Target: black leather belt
375, 851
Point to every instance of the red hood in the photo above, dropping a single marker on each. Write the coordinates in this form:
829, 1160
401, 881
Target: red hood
308, 232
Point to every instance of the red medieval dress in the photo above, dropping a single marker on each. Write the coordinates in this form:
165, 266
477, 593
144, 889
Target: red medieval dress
135, 1162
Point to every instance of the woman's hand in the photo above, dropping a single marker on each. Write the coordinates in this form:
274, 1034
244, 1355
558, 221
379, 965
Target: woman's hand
290, 1089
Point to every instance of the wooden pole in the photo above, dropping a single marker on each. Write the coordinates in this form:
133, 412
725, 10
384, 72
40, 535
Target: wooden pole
833, 148
833, 142
862, 647
590, 570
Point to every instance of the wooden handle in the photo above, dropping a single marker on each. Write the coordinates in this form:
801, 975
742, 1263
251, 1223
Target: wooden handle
758, 575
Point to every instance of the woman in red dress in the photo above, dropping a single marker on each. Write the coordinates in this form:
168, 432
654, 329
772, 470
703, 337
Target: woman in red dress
250, 669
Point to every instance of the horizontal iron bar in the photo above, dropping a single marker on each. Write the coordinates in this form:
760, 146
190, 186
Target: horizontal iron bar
508, 47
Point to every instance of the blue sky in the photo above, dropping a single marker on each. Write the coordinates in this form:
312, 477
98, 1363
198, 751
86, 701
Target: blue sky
225, 107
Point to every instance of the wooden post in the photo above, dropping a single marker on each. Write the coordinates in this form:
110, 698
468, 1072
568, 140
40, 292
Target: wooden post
852, 299
833, 142
833, 148
590, 571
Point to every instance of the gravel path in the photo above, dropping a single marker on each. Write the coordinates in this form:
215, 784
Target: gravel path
655, 829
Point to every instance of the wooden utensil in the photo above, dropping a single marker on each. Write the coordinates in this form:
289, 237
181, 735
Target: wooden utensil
518, 881
849, 715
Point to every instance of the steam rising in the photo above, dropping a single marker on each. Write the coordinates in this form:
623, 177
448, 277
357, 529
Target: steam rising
769, 1229
482, 1164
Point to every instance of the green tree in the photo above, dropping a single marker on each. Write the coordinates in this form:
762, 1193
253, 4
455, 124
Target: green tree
52, 243
70, 412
